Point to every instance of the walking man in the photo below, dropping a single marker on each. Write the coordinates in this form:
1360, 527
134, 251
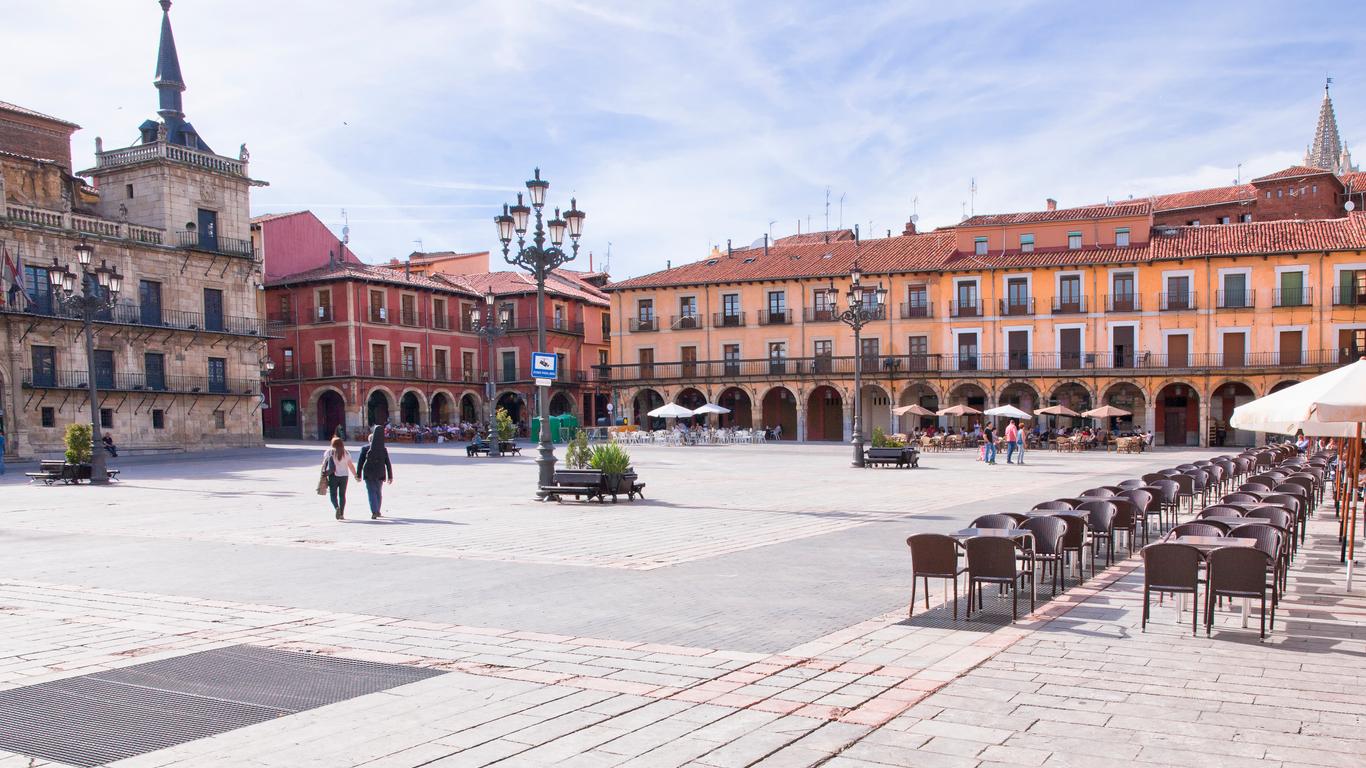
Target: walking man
1012, 437
989, 446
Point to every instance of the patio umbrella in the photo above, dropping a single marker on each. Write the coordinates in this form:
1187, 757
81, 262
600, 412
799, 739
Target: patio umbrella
1008, 411
1106, 412
708, 408
671, 411
1057, 410
914, 410
1330, 405
959, 410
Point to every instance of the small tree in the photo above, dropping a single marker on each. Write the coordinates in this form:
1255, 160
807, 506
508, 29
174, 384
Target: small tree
506, 429
879, 438
610, 459
578, 454
78, 443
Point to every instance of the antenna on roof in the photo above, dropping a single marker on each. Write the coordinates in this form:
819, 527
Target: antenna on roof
1238, 179
841, 211
419, 245
972, 192
607, 260
827, 208
915, 207
855, 234
728, 248
346, 228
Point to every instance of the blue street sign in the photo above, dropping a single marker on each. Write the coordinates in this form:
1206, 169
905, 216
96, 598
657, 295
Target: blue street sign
544, 366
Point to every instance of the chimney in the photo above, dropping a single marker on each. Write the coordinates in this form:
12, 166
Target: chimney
668, 264
408, 269
331, 258
1052, 204
765, 243
910, 227
729, 250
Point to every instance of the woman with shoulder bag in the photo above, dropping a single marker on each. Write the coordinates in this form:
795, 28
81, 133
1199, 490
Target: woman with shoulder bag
375, 469
337, 470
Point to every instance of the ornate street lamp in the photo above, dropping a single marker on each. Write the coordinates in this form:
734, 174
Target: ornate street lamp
540, 260
490, 325
865, 306
99, 293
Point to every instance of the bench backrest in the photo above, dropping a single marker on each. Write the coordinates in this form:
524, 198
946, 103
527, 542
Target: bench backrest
885, 453
578, 476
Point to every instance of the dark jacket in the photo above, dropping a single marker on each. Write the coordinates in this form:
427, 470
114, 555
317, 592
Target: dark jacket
373, 463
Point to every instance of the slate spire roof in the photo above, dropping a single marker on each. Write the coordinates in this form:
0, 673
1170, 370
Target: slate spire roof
1327, 151
170, 84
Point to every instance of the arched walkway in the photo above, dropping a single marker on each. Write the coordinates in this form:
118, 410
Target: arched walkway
923, 395
876, 408
741, 414
378, 406
692, 398
968, 394
469, 408
331, 413
1282, 385
561, 404
646, 400
825, 415
1020, 395
1225, 398
410, 408
1073, 395
1129, 397
780, 410
440, 409
1178, 415
514, 405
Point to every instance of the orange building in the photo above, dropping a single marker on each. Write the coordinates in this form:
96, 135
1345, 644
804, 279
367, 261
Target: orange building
1079, 306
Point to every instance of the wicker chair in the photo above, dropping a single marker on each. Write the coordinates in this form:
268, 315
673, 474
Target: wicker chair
1048, 541
993, 560
1171, 569
934, 556
1238, 572
995, 521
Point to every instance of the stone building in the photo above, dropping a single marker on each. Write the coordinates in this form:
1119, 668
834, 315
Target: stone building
178, 359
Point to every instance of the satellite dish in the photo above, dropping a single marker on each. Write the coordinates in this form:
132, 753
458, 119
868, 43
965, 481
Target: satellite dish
915, 217
757, 243
1349, 205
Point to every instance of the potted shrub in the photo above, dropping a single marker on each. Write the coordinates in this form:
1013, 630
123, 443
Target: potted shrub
615, 464
78, 449
578, 454
506, 429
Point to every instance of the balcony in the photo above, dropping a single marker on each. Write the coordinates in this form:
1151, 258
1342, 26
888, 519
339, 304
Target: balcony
916, 309
226, 246
1124, 302
1349, 296
642, 324
1180, 301
965, 309
140, 382
1292, 297
775, 317
824, 315
728, 320
76, 222
1244, 299
1017, 307
407, 317
685, 322
1069, 305
371, 369
441, 322
174, 319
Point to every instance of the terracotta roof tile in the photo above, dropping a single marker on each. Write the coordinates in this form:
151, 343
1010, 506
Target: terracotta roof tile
375, 274
564, 286
1356, 180
1293, 172
1048, 257
274, 216
1106, 211
1259, 237
812, 238
5, 106
1202, 197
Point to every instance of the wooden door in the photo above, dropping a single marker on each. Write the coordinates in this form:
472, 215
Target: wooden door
1174, 426
1235, 350
1069, 347
1178, 351
1017, 347
1124, 346
1291, 347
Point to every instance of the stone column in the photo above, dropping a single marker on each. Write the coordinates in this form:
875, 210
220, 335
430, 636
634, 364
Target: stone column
1204, 422
1150, 416
801, 423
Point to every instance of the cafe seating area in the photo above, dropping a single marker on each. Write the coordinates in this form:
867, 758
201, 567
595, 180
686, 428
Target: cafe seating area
1221, 533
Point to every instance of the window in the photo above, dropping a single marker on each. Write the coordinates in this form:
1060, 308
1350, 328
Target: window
1178, 350
1069, 293
645, 310
822, 305
1017, 296
1223, 220
467, 365
104, 368
408, 359
967, 299
48, 416
777, 357
509, 366
688, 356
967, 351
289, 413
439, 364
106, 418
1235, 291
1122, 237
979, 246
730, 309
218, 375
325, 366
1178, 292
869, 350
128, 191
730, 353
687, 312
606, 325
325, 305
378, 314
1245, 218
1122, 296
39, 290
213, 309
1292, 289
1027, 242
646, 358
1193, 223
154, 367
822, 351
44, 366
602, 357
917, 301
1351, 288
159, 417
407, 305
777, 306
220, 420
1074, 240
440, 320
149, 301
919, 347
377, 359
558, 318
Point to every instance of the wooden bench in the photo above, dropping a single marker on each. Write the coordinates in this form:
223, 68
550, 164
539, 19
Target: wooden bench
51, 471
508, 446
577, 483
901, 457
474, 449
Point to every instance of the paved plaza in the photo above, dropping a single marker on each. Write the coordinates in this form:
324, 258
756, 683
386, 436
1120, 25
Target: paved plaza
751, 611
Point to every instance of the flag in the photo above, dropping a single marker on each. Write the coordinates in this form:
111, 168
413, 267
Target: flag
9, 276
18, 297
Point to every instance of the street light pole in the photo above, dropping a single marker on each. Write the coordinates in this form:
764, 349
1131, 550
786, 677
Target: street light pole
490, 328
540, 260
861, 311
99, 292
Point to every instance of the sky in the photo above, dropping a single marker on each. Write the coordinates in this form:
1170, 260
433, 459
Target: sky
681, 125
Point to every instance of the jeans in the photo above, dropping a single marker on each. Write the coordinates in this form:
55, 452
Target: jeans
1010, 451
990, 456
336, 491
374, 489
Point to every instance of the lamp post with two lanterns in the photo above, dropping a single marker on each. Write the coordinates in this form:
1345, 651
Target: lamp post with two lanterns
865, 306
540, 259
99, 292
490, 325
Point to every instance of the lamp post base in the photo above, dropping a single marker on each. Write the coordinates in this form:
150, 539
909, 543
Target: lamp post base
545, 463
99, 472
858, 450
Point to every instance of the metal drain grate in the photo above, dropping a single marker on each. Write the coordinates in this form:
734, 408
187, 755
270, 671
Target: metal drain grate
96, 719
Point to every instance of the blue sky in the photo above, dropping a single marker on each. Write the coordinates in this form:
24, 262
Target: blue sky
680, 125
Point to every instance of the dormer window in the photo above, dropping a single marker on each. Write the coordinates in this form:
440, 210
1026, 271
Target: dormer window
1074, 240
1026, 243
980, 246
1122, 237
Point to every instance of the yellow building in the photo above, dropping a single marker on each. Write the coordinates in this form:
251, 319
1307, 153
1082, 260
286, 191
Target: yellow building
1081, 306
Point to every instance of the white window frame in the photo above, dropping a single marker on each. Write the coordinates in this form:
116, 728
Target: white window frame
1081, 240
1029, 340
1057, 283
1128, 236
977, 281
981, 342
1058, 328
1032, 242
1189, 333
1246, 272
1246, 330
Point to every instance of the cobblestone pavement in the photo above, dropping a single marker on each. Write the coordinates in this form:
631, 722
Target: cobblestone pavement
1074, 683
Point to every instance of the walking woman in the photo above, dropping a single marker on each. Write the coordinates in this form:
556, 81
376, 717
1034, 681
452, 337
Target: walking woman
375, 469
339, 468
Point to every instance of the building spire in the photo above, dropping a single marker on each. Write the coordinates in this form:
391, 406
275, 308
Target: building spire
1326, 151
169, 82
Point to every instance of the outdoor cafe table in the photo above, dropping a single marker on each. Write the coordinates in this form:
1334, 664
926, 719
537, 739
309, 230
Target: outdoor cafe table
996, 533
1207, 544
1057, 512
1233, 522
